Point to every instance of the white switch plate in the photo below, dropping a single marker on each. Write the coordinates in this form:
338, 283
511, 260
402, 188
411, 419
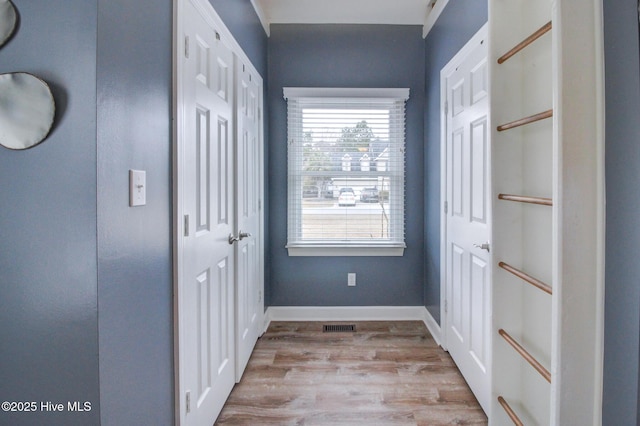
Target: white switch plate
351, 279
137, 188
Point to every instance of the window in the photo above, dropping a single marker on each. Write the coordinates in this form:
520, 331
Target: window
346, 171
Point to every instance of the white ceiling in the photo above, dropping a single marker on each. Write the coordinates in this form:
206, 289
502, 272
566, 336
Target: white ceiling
399, 12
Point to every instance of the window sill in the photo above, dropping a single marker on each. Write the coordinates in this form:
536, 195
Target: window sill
342, 250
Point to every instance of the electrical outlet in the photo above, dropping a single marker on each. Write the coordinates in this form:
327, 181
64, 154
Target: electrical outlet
351, 279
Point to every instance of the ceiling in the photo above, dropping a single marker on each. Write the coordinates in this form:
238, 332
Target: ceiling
398, 12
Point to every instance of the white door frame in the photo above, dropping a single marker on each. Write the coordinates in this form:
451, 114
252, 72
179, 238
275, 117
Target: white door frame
579, 218
178, 50
446, 70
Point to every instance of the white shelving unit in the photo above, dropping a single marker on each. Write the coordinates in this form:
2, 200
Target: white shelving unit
547, 368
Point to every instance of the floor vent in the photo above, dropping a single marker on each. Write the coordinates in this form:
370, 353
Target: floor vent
339, 328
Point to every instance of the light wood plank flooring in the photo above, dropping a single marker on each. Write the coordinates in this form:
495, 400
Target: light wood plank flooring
386, 373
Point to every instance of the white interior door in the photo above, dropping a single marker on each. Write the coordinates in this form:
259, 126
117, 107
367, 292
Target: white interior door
249, 305
468, 217
206, 188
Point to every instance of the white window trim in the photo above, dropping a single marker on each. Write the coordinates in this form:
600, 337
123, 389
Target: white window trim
345, 92
353, 249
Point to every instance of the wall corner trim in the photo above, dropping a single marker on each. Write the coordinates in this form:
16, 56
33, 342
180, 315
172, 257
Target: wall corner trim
262, 16
432, 16
433, 327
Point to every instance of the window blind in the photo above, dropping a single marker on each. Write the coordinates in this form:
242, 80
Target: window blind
346, 167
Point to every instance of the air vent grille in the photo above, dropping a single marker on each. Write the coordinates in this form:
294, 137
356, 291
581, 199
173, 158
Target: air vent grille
339, 328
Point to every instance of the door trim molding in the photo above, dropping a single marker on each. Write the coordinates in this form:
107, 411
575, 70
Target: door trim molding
483, 32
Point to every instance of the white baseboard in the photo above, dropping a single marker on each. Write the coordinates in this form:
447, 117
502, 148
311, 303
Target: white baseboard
267, 320
433, 327
353, 313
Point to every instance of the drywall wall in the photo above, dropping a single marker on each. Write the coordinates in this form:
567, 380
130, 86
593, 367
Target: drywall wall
135, 292
345, 56
459, 21
48, 267
622, 156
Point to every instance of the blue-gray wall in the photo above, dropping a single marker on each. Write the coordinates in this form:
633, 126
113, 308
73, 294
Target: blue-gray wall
622, 283
345, 56
85, 280
459, 21
135, 244
73, 253
48, 266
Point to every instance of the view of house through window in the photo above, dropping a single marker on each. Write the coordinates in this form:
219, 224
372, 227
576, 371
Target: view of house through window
346, 170
349, 201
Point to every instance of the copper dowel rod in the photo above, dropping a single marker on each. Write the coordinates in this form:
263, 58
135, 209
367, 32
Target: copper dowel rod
512, 414
525, 199
526, 355
521, 122
526, 277
527, 41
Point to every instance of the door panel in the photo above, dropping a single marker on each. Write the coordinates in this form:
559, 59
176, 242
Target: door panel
468, 270
479, 82
204, 350
203, 169
457, 303
206, 286
479, 325
218, 186
248, 292
479, 172
458, 172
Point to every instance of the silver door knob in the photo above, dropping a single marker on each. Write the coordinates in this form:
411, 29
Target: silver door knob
240, 236
484, 246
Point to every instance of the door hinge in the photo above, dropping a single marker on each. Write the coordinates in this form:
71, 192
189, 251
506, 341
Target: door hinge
186, 225
260, 296
188, 402
446, 207
446, 107
446, 309
186, 47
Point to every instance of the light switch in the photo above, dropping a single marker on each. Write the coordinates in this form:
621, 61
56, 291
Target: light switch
137, 188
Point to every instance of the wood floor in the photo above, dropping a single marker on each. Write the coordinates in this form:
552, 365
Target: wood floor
386, 373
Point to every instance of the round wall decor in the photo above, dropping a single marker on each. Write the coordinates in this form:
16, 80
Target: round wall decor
8, 19
27, 109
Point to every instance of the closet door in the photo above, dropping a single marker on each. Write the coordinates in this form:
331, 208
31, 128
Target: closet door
206, 191
248, 209
468, 224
